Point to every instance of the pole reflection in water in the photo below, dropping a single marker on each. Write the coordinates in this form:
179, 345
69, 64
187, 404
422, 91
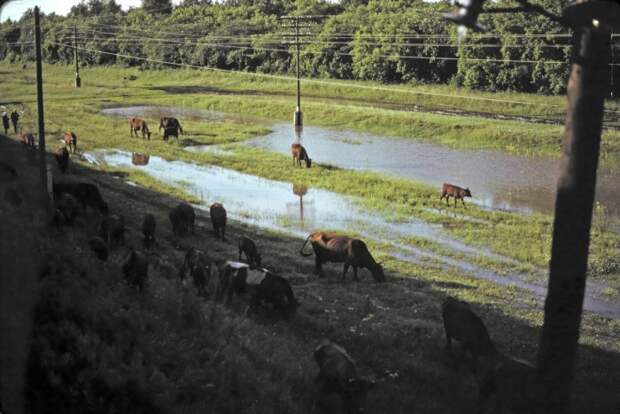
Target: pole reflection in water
300, 190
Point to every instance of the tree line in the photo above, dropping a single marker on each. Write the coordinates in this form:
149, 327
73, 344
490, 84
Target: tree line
389, 41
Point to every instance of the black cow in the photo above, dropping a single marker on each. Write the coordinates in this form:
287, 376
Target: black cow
182, 218
248, 247
462, 324
171, 127
86, 193
338, 374
135, 269
148, 229
263, 286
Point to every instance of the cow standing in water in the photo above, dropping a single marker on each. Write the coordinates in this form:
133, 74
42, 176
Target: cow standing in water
5, 123
70, 141
449, 190
171, 127
138, 124
300, 154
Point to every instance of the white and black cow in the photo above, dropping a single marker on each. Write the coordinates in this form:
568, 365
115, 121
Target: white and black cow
264, 287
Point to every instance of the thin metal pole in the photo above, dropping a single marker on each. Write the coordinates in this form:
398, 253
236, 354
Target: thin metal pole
42, 155
588, 86
78, 81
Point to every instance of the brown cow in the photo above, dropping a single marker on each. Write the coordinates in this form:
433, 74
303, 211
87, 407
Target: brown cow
330, 247
138, 124
449, 190
70, 141
300, 154
218, 219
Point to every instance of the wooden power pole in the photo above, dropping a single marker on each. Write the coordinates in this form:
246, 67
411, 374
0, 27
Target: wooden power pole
297, 34
588, 85
78, 81
41, 119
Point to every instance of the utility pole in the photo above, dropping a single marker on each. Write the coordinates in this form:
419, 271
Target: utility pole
297, 26
78, 81
42, 154
588, 85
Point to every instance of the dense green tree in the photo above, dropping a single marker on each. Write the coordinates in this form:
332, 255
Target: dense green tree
157, 6
383, 40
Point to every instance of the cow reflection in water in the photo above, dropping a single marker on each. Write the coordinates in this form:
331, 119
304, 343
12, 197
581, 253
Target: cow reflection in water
140, 159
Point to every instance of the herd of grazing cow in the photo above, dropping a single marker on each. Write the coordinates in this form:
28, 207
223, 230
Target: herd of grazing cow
170, 125
500, 379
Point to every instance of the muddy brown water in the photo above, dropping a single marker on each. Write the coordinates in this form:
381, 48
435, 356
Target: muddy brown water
293, 209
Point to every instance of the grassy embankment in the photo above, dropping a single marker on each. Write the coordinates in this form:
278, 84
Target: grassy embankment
525, 238
101, 343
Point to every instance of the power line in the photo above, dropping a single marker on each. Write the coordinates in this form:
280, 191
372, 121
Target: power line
120, 36
392, 56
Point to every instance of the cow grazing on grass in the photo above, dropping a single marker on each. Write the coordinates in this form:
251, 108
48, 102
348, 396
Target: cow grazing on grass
112, 230
99, 247
198, 266
5, 123
338, 374
248, 247
264, 287
138, 124
299, 155
171, 127
148, 229
70, 141
461, 323
15, 120
182, 218
86, 193
62, 159
69, 207
330, 247
449, 190
218, 219
135, 269
28, 140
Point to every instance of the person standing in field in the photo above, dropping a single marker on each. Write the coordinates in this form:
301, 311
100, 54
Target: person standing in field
5, 123
14, 119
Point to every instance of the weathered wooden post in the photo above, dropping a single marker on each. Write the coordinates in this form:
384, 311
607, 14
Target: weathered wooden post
588, 86
78, 81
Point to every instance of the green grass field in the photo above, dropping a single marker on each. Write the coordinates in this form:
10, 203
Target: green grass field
172, 351
351, 105
523, 237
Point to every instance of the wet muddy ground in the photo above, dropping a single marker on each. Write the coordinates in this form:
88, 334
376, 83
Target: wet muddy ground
294, 209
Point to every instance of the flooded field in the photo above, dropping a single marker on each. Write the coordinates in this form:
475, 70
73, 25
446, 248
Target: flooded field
497, 180
294, 209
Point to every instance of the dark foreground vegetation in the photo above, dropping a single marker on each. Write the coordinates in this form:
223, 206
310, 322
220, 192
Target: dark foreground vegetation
101, 345
376, 40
